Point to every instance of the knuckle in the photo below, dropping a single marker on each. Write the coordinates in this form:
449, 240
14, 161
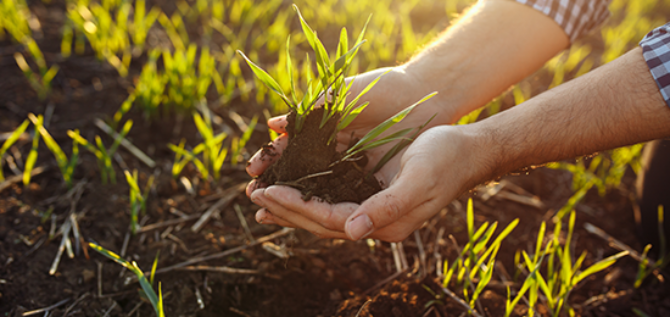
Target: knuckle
394, 207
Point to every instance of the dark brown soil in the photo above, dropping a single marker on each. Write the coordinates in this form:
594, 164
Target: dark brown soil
308, 154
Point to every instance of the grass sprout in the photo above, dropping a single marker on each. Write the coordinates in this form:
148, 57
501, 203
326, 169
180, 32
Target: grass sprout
188, 80
473, 268
102, 154
331, 76
212, 150
32, 155
41, 82
10, 141
563, 272
147, 291
65, 165
14, 18
332, 87
105, 26
138, 198
647, 266
238, 144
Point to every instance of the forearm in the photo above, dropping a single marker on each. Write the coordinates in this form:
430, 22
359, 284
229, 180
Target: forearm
494, 45
616, 105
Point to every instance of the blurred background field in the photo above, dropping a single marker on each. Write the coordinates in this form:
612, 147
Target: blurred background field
134, 120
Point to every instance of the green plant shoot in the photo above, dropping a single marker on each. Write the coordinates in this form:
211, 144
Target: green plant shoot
138, 198
10, 141
103, 155
32, 155
65, 165
147, 288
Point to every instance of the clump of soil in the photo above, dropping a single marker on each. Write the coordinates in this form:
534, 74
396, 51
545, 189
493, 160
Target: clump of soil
307, 162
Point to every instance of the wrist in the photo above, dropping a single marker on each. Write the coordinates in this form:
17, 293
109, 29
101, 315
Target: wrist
486, 157
415, 84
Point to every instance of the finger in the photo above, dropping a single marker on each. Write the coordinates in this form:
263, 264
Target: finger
405, 226
263, 216
266, 156
297, 219
389, 205
253, 185
329, 216
278, 124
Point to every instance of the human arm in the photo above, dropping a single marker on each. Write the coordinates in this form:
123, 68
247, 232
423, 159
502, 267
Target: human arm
616, 105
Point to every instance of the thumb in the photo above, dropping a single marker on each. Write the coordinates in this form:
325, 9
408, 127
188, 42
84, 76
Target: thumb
387, 206
278, 124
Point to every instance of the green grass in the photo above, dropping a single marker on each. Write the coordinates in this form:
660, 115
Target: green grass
138, 198
14, 16
208, 156
473, 268
103, 155
147, 290
648, 266
563, 271
65, 165
332, 71
13, 137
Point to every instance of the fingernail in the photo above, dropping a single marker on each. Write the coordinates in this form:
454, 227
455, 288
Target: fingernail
359, 228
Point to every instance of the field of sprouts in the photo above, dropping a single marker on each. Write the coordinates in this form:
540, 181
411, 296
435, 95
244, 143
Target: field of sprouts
125, 128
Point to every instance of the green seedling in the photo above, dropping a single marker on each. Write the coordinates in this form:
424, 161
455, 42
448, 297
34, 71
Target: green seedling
147, 291
32, 155
531, 282
14, 16
563, 273
181, 86
212, 150
648, 266
142, 22
438, 299
103, 155
107, 33
188, 80
175, 29
238, 144
10, 141
65, 165
138, 198
41, 81
473, 269
331, 87
331, 77
149, 90
181, 158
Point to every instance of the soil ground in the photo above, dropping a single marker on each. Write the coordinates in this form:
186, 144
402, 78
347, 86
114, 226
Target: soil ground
293, 274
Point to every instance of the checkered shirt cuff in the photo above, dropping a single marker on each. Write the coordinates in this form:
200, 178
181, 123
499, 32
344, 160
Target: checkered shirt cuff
656, 51
575, 17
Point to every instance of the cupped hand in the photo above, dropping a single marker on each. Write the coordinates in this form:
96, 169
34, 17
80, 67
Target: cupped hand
439, 165
395, 91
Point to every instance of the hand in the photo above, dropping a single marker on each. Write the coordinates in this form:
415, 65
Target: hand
437, 167
395, 91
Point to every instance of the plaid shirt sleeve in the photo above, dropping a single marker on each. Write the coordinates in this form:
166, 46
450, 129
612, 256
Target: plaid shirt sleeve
576, 17
656, 51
